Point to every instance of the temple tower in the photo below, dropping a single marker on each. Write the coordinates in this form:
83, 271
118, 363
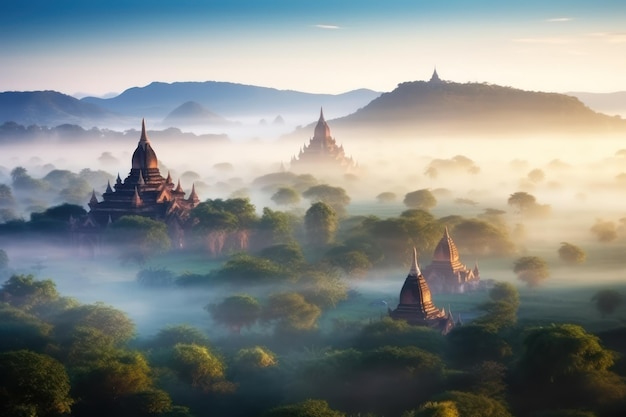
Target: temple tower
416, 305
446, 273
144, 192
322, 153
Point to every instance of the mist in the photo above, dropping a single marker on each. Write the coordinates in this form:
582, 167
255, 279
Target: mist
580, 179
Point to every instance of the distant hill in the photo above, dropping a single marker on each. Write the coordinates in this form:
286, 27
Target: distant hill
607, 103
193, 114
230, 100
50, 108
449, 108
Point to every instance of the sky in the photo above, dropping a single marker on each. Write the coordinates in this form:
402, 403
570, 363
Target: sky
99, 47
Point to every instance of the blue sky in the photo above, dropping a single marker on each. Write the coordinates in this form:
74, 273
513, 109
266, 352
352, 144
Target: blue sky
97, 47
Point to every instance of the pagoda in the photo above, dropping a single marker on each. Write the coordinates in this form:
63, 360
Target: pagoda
434, 79
322, 153
144, 192
416, 304
446, 273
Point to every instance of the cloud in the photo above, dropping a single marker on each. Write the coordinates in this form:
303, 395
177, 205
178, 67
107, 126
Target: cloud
546, 41
560, 19
320, 26
610, 37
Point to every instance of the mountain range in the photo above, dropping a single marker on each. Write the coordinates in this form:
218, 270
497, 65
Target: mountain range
418, 106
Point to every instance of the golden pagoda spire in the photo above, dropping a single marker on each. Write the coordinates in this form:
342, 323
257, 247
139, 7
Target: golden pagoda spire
415, 269
144, 136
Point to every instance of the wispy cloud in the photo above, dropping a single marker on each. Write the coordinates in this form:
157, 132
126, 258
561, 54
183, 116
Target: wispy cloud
547, 41
331, 27
560, 19
610, 37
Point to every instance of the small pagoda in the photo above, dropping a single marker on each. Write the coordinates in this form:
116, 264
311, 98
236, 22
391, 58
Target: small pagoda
446, 274
416, 305
322, 153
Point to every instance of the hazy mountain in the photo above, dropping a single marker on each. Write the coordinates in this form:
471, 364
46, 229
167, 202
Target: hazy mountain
193, 114
473, 108
230, 100
50, 108
607, 103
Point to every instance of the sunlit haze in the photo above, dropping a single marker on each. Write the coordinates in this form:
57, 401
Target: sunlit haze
101, 47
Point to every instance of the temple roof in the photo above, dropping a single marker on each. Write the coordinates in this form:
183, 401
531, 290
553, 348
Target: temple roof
144, 156
322, 130
415, 296
446, 250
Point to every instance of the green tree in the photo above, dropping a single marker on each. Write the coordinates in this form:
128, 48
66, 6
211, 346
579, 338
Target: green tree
235, 312
256, 357
199, 367
113, 383
475, 343
536, 175
172, 335
475, 405
288, 255
563, 366
354, 263
607, 301
291, 312
434, 409
86, 331
6, 196
247, 269
33, 385
308, 408
420, 199
336, 197
322, 287
22, 330
215, 220
388, 332
501, 310
604, 230
321, 223
386, 197
522, 201
138, 237
286, 196
275, 227
27, 293
532, 270
571, 254
555, 353
479, 237
24, 182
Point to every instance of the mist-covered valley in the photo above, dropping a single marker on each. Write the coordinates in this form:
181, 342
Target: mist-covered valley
311, 309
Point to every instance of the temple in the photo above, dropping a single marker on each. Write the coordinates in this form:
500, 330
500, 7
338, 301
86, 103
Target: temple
144, 192
416, 305
434, 79
322, 153
446, 273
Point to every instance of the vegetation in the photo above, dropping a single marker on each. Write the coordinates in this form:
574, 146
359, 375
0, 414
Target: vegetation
607, 301
532, 270
295, 312
571, 254
420, 199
